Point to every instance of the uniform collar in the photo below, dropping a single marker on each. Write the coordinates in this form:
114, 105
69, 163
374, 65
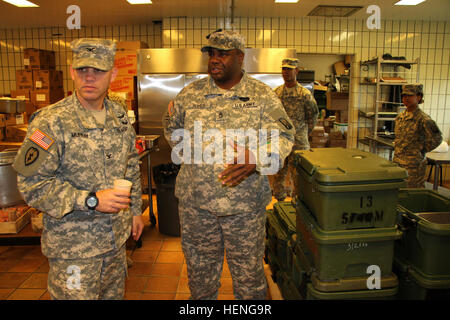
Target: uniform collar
212, 87
410, 115
87, 119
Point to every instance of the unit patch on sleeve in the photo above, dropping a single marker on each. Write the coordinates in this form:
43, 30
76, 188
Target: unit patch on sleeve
31, 155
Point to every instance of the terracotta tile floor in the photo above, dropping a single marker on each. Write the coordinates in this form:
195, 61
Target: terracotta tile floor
158, 271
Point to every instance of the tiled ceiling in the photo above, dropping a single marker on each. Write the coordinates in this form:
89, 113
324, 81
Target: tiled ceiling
119, 12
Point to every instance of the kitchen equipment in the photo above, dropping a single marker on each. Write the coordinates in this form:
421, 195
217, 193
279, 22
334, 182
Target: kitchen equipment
9, 105
9, 193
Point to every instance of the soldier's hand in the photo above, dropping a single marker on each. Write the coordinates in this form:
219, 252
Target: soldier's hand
244, 164
112, 200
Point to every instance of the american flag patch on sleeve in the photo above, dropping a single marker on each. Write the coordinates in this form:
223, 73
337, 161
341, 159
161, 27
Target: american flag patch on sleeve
41, 139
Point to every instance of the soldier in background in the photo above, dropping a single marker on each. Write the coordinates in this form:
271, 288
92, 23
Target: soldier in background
301, 107
222, 206
415, 135
73, 152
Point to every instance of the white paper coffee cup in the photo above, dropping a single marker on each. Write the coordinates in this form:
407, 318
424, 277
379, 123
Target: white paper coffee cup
122, 184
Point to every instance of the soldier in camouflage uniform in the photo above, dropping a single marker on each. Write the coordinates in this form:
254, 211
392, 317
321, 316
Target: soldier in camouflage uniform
301, 107
415, 135
222, 204
73, 152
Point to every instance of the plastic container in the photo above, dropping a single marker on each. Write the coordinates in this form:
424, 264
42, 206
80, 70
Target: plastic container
345, 253
167, 204
375, 294
352, 284
414, 285
424, 217
278, 241
348, 188
286, 215
287, 288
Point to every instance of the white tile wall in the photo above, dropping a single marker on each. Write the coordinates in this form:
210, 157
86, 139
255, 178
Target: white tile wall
428, 40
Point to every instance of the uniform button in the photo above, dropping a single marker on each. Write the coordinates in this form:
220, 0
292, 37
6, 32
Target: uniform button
220, 115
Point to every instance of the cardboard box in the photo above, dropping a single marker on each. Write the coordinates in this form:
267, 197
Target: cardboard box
319, 140
131, 104
130, 45
339, 68
16, 119
46, 97
124, 84
47, 80
2, 120
21, 94
38, 59
318, 132
338, 143
342, 116
126, 63
24, 80
337, 100
16, 133
336, 135
15, 226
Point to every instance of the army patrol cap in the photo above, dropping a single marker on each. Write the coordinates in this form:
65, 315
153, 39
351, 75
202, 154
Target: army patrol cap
224, 40
95, 53
289, 63
412, 89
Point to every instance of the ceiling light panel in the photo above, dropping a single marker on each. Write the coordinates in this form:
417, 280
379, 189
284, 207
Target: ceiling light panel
409, 2
139, 1
21, 3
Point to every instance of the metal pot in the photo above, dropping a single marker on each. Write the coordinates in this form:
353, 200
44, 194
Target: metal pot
9, 193
9, 105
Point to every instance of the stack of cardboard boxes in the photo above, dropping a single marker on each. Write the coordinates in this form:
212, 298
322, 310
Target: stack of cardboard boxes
318, 137
39, 84
126, 64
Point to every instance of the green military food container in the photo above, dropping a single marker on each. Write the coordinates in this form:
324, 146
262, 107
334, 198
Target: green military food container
278, 240
424, 217
286, 215
287, 287
345, 253
348, 188
354, 284
375, 294
415, 285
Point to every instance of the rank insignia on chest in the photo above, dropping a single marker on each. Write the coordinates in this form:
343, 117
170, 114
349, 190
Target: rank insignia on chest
41, 139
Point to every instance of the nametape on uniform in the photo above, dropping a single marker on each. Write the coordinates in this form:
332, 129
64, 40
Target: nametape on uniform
41, 139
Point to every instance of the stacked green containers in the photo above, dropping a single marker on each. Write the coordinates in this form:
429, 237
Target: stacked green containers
422, 255
345, 201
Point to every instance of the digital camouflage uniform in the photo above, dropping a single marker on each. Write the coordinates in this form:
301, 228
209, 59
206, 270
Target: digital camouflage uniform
301, 107
415, 135
214, 217
65, 155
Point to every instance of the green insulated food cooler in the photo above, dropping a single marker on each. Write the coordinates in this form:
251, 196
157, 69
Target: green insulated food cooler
286, 215
424, 217
345, 253
415, 285
278, 240
348, 188
375, 294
